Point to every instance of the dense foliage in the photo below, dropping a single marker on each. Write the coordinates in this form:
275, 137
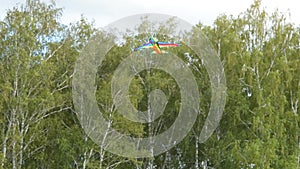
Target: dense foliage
260, 127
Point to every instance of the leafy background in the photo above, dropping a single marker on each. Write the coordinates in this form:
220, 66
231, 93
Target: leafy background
260, 53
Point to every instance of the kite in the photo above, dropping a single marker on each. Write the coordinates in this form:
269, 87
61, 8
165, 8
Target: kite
156, 45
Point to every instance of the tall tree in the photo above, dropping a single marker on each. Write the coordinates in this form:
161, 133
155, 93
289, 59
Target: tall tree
33, 84
261, 55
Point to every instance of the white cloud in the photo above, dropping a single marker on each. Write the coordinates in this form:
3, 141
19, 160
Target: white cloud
193, 11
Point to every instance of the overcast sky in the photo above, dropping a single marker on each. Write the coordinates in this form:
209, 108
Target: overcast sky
193, 11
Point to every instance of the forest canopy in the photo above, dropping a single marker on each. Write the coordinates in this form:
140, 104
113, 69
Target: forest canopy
260, 126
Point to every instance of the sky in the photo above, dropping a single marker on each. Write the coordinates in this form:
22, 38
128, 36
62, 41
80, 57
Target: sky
104, 12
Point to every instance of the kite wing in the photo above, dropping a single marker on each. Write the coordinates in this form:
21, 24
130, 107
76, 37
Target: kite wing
144, 46
167, 44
